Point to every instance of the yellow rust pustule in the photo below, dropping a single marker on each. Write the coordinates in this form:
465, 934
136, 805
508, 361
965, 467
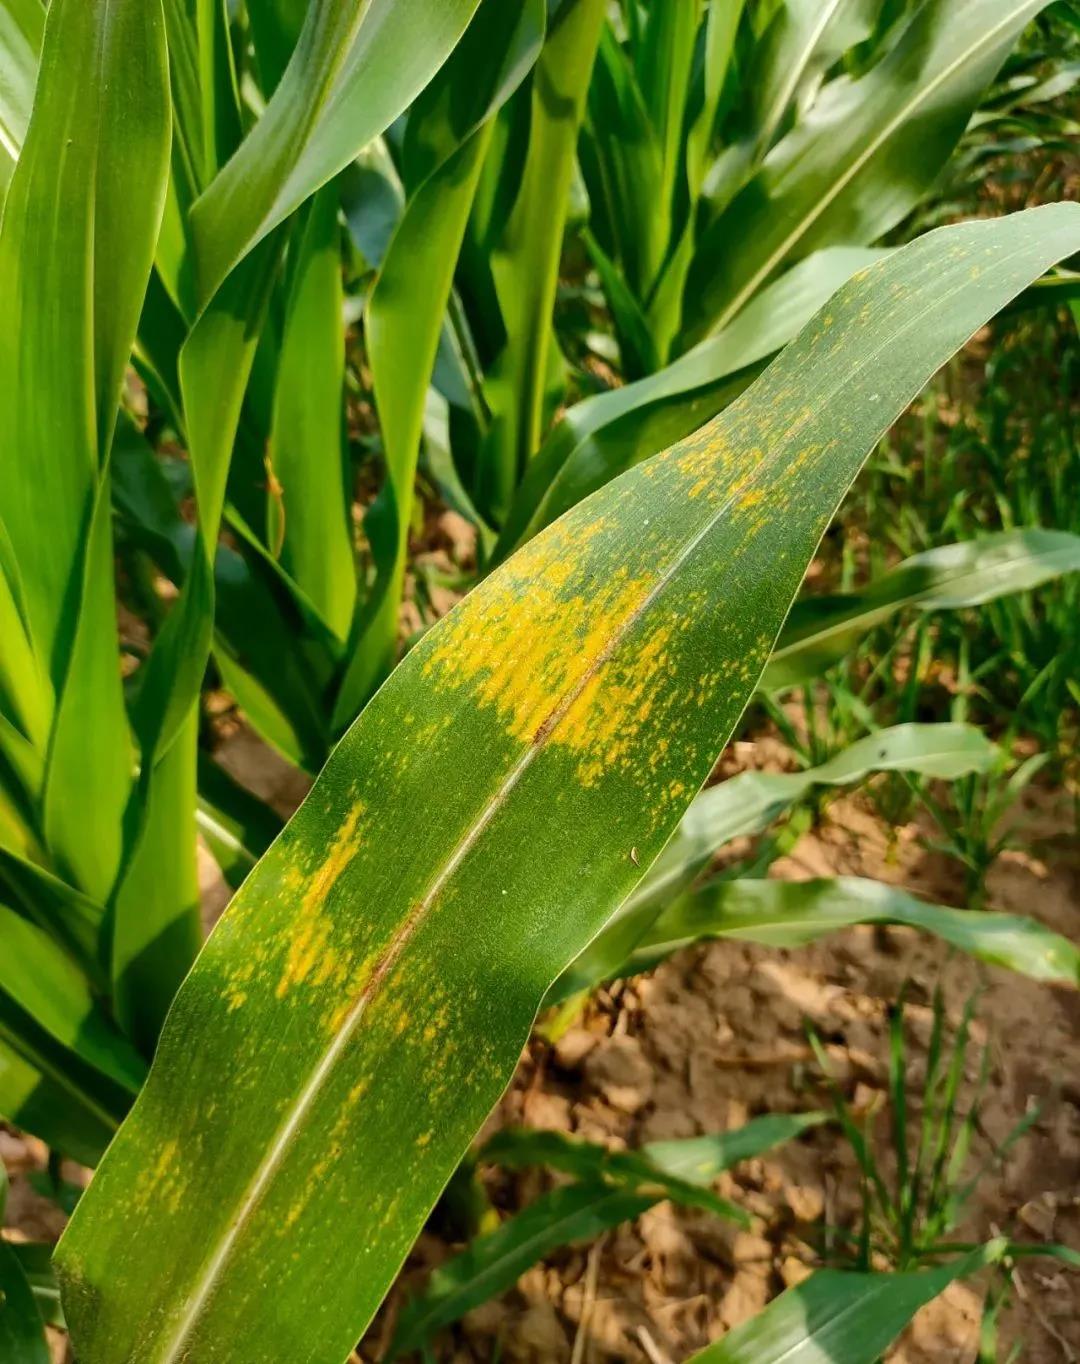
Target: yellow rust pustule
310, 954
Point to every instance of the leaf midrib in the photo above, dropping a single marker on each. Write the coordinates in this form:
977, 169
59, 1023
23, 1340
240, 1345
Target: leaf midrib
278, 1149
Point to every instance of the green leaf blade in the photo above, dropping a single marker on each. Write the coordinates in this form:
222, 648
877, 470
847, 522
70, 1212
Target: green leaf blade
363, 1002
792, 913
354, 69
841, 1316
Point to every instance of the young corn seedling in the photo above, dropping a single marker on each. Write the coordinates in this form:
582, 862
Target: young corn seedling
911, 1214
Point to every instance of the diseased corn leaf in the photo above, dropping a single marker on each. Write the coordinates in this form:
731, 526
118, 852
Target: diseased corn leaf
614, 1187
821, 630
21, 26
841, 1316
604, 435
355, 68
375, 978
747, 804
791, 913
449, 132
859, 159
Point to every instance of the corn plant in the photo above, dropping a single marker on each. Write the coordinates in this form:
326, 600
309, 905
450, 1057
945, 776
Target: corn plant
692, 125
376, 1042
171, 203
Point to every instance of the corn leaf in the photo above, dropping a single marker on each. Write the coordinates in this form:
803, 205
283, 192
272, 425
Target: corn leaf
606, 434
21, 26
821, 630
861, 157
306, 454
366, 996
687, 1161
525, 264
804, 39
349, 79
35, 1260
492, 1263
791, 913
237, 827
156, 929
38, 977
46, 1089
354, 70
75, 251
721, 26
626, 207
586, 1160
841, 1316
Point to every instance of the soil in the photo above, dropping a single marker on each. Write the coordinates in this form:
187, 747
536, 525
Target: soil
715, 1036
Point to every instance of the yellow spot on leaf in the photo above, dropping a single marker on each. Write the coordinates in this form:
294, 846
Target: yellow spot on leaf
309, 953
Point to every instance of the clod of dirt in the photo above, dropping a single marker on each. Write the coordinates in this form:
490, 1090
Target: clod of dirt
1040, 1214
573, 1047
536, 1336
620, 1073
747, 1296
